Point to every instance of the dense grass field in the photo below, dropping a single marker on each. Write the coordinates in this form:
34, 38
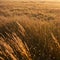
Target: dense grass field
29, 30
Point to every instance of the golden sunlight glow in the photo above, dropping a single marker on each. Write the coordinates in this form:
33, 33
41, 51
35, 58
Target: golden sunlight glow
35, 0
40, 0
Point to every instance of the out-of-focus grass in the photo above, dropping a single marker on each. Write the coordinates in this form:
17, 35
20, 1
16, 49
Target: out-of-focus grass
42, 44
30, 30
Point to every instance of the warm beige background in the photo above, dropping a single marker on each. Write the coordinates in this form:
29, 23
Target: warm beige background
33, 0
42, 0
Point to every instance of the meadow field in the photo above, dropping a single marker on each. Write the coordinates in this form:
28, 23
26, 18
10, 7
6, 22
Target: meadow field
29, 30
